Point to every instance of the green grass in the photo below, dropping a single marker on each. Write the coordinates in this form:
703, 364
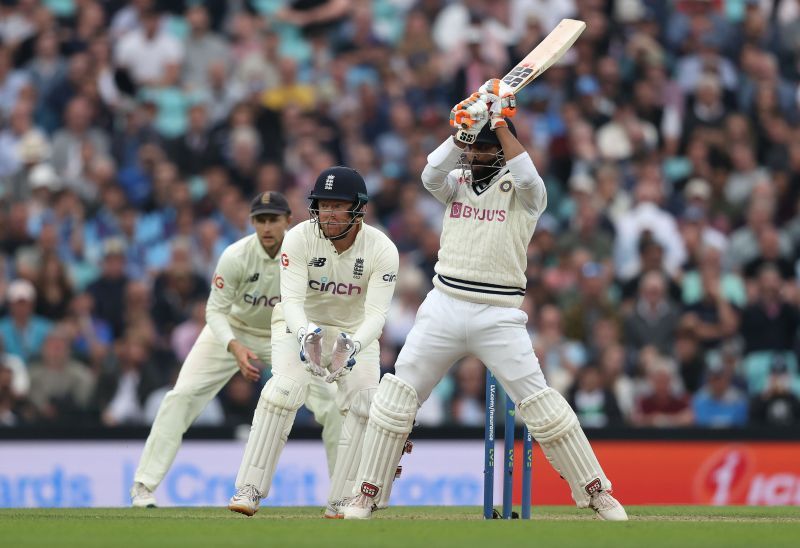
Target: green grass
431, 527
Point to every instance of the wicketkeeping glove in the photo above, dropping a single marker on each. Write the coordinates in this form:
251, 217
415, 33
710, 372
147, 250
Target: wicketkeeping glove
310, 339
342, 356
470, 115
501, 101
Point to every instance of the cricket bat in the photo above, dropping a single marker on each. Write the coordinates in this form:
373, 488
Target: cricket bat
543, 56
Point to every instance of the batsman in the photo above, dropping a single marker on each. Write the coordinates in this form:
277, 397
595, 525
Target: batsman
493, 196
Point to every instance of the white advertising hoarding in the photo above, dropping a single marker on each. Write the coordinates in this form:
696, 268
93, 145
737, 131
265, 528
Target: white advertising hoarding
74, 474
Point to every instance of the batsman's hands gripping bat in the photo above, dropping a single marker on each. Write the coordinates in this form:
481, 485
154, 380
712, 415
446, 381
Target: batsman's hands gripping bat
342, 357
500, 99
310, 339
470, 115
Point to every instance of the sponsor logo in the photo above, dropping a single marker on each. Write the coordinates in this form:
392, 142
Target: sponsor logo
505, 186
518, 75
389, 277
329, 182
358, 268
219, 281
326, 286
461, 211
369, 489
254, 278
317, 261
262, 300
284, 260
593, 486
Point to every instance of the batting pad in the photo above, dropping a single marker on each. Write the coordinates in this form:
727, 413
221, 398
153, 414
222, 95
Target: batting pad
391, 418
555, 426
280, 399
348, 456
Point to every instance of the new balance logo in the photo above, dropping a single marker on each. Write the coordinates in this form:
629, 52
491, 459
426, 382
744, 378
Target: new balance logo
254, 278
317, 261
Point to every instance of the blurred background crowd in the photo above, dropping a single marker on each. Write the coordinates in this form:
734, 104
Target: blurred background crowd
663, 280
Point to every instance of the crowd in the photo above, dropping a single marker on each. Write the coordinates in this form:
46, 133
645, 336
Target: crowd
663, 279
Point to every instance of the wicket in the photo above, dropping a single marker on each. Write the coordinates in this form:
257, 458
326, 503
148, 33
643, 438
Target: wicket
508, 458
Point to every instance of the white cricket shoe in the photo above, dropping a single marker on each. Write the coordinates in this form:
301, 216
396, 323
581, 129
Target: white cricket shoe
142, 497
333, 510
357, 507
245, 501
607, 507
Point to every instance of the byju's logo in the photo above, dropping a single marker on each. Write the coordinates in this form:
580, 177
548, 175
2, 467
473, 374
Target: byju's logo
461, 211
317, 261
325, 286
329, 182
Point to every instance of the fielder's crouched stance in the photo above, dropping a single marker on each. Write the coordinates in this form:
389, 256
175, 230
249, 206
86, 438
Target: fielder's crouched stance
492, 205
337, 280
244, 292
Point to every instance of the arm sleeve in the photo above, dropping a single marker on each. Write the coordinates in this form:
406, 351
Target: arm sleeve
528, 184
294, 280
227, 277
436, 177
379, 295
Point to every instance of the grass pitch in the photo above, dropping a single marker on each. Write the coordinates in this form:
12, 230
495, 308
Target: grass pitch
431, 527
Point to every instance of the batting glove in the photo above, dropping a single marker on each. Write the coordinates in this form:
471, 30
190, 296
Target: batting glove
501, 101
470, 115
310, 339
342, 357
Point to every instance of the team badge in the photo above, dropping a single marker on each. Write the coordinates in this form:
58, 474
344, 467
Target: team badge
358, 268
505, 186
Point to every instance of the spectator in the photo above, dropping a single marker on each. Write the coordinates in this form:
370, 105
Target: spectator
777, 405
559, 357
61, 387
719, 404
593, 402
78, 142
770, 323
53, 289
468, 405
203, 47
9, 401
654, 318
150, 42
662, 407
22, 331
593, 303
108, 290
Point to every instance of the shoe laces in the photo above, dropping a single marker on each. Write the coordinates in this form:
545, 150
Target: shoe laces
360, 501
250, 492
603, 501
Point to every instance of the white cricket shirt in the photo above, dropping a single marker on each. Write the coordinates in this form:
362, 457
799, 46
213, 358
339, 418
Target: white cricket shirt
350, 291
485, 234
244, 290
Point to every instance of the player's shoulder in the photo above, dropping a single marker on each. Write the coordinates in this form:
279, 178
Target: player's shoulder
378, 237
239, 248
301, 230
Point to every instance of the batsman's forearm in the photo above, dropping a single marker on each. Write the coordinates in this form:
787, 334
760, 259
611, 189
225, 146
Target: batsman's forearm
441, 162
528, 184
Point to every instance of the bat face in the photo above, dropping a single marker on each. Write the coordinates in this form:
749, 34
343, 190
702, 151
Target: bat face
543, 56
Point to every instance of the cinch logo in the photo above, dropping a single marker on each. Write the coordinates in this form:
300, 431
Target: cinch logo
389, 277
461, 211
261, 300
317, 261
325, 286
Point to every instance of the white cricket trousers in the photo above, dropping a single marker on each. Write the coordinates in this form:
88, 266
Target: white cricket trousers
206, 370
448, 329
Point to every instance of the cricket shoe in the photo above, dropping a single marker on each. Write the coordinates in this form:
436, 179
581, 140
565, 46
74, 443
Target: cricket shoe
142, 497
607, 507
358, 507
334, 509
245, 501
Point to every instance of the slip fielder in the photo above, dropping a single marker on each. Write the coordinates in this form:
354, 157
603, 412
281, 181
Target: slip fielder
244, 292
492, 206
